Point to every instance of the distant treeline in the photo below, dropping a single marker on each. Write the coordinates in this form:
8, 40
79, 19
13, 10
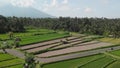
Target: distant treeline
99, 26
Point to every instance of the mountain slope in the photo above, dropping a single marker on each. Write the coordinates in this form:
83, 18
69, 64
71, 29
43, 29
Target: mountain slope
10, 10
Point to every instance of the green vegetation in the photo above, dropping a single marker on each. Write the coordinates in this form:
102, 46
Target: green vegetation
29, 61
117, 53
6, 57
111, 40
14, 27
72, 63
86, 62
34, 36
40, 38
93, 61
28, 32
11, 62
114, 65
97, 26
7, 60
16, 66
7, 24
100, 63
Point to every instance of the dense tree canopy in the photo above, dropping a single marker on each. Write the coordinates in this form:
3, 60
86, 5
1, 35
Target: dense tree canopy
10, 24
99, 26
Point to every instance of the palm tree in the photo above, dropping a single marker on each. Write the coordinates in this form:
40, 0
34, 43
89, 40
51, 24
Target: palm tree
29, 61
17, 42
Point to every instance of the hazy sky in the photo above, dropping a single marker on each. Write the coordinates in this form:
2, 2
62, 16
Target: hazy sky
73, 8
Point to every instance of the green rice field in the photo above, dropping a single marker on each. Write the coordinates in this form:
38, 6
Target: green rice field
9, 61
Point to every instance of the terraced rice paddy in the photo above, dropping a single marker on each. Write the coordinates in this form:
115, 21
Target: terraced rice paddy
117, 53
53, 46
42, 48
73, 49
56, 45
73, 63
9, 61
29, 32
43, 43
99, 61
50, 44
71, 43
40, 38
114, 65
110, 40
34, 36
77, 43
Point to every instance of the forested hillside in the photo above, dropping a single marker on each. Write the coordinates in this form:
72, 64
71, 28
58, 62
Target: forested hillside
99, 26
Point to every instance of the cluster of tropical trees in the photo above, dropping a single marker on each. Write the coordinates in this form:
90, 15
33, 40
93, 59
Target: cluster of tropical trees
99, 26
12, 24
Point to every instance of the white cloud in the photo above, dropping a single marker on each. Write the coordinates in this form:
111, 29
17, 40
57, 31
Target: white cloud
56, 6
50, 6
88, 10
22, 3
65, 2
60, 8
